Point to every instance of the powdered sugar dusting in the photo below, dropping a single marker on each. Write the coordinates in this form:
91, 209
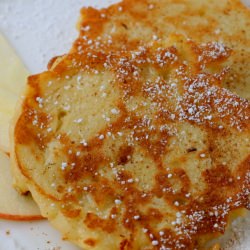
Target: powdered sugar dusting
192, 114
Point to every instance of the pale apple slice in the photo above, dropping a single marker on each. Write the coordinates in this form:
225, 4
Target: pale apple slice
8, 100
7, 106
4, 130
13, 76
14, 206
12, 71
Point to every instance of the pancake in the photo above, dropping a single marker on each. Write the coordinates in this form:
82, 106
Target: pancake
139, 22
136, 149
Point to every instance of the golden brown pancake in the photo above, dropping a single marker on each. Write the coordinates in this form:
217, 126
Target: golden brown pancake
136, 149
131, 23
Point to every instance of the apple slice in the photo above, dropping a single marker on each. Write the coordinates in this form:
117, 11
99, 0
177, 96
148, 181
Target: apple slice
13, 77
14, 206
7, 106
13, 72
4, 130
8, 100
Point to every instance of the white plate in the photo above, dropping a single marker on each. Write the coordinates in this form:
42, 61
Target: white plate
39, 30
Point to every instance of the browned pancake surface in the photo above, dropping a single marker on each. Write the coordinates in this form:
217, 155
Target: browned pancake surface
131, 23
136, 149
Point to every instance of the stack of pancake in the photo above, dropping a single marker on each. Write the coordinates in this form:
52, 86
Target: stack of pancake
138, 138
